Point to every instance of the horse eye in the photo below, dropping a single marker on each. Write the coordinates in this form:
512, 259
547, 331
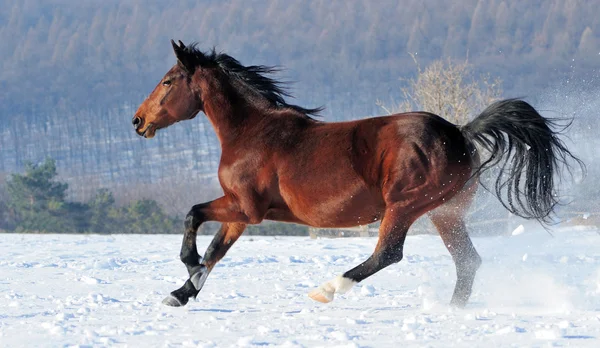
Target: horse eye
167, 83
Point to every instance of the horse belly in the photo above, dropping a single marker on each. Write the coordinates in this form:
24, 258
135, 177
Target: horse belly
332, 204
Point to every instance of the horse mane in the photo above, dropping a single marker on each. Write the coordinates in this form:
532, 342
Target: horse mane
253, 76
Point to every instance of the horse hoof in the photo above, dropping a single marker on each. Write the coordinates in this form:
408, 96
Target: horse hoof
321, 295
172, 301
458, 304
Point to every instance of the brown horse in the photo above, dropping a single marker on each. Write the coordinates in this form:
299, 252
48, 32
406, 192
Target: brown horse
280, 164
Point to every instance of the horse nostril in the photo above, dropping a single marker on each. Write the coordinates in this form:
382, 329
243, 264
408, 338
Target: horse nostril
136, 122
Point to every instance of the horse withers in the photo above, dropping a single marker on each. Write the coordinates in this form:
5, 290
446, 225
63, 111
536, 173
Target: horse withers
279, 163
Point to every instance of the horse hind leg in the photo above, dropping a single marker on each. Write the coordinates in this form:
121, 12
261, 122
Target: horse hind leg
449, 221
392, 234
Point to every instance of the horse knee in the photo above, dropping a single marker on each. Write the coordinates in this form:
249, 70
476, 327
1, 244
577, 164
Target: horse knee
193, 219
189, 221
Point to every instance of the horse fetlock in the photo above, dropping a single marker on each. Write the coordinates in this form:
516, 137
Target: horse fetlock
190, 258
391, 256
199, 277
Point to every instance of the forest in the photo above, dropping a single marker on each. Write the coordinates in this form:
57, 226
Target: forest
73, 73
72, 56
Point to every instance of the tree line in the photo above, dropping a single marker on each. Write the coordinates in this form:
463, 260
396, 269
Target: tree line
35, 202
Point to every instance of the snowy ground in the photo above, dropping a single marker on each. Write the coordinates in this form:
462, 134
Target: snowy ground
532, 290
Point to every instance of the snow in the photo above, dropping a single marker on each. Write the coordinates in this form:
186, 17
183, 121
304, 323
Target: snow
89, 290
519, 230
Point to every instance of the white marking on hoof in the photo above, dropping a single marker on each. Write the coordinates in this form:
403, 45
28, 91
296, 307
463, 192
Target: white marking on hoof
199, 278
343, 284
326, 292
172, 301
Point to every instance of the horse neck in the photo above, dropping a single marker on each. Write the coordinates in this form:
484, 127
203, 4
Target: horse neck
228, 112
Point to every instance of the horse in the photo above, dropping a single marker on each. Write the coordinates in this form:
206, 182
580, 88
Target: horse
280, 163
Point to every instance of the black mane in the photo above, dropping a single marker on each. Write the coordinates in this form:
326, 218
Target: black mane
253, 76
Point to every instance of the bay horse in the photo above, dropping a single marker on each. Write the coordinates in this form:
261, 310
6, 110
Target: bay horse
279, 163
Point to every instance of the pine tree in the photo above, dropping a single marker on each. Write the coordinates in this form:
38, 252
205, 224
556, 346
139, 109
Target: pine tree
102, 215
38, 201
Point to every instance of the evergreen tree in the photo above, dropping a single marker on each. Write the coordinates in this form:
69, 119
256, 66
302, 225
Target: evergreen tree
38, 201
146, 216
103, 215
4, 216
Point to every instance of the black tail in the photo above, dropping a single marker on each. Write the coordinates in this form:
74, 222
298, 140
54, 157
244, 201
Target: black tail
528, 147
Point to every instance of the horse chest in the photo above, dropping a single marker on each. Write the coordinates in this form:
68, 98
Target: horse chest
249, 172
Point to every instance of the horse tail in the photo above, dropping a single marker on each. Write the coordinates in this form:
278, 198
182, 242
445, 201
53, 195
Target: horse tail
526, 145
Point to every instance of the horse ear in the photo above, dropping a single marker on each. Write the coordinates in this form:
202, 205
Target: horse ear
184, 58
175, 47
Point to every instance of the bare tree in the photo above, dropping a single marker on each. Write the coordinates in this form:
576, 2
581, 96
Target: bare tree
448, 89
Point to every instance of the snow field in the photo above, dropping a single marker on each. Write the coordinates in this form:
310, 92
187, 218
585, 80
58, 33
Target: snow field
532, 290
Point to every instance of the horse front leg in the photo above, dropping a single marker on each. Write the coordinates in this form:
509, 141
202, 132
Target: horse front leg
234, 223
198, 271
